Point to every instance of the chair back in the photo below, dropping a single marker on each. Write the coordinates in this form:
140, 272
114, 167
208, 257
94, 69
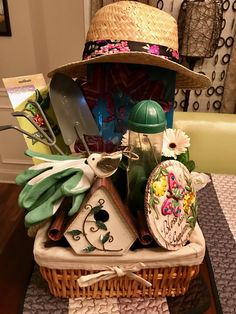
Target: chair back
213, 140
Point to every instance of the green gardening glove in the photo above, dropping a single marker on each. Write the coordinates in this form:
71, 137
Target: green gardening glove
77, 201
45, 210
32, 191
78, 183
33, 171
43, 198
46, 185
48, 208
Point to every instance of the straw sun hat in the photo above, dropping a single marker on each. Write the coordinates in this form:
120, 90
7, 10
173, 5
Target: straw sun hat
132, 32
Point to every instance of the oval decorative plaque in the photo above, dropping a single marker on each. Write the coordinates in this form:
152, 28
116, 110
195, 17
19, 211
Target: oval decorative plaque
170, 204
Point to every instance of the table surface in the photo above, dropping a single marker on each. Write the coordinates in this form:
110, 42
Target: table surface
213, 291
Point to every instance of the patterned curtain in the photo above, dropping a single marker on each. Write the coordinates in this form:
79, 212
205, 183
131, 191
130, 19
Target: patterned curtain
221, 68
229, 96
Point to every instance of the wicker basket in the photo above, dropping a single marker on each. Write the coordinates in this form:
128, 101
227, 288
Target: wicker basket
61, 268
171, 281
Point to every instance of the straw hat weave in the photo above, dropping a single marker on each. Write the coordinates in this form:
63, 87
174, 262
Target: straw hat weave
132, 32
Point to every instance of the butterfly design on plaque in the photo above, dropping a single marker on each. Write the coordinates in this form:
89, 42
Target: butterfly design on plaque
170, 204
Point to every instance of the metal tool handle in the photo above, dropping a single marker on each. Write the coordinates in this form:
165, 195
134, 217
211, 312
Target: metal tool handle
49, 141
5, 127
81, 136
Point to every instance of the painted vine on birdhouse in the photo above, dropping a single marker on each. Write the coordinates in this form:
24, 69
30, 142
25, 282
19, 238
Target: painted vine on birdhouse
102, 226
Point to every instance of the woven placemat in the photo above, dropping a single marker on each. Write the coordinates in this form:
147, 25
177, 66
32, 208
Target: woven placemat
119, 306
38, 299
215, 204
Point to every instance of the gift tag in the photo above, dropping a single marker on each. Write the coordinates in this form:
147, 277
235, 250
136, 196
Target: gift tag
170, 204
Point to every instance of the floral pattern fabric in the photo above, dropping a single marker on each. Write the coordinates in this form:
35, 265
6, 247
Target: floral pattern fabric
104, 47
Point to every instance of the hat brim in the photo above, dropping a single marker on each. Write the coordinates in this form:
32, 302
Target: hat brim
185, 78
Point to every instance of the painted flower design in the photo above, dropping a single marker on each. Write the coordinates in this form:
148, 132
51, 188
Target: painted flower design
110, 48
175, 54
189, 200
160, 186
175, 142
153, 49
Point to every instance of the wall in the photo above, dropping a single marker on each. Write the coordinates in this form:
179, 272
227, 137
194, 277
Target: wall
45, 34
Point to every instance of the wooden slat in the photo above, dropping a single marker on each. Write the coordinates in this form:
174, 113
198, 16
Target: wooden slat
16, 252
10, 213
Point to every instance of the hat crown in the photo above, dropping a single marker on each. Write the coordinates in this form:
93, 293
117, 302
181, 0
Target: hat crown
134, 21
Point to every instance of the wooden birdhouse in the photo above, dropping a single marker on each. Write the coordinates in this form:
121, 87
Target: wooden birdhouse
103, 225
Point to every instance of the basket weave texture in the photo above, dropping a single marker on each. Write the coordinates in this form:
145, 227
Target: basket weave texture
135, 22
172, 281
169, 273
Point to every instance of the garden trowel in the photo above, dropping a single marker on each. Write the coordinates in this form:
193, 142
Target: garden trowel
71, 109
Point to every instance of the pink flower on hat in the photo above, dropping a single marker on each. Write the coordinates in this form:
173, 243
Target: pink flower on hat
154, 49
124, 43
110, 48
175, 54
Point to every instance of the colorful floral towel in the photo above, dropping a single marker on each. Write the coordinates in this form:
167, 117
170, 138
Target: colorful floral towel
112, 97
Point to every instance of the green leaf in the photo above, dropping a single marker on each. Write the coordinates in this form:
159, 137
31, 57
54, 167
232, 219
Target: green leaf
184, 158
190, 165
101, 225
151, 203
188, 188
188, 181
194, 210
192, 221
95, 209
89, 249
105, 238
152, 190
156, 201
157, 177
164, 172
74, 232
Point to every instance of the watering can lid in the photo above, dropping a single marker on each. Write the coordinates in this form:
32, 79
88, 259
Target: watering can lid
147, 116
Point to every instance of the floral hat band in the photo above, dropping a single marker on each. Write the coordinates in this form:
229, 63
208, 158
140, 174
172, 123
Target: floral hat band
98, 48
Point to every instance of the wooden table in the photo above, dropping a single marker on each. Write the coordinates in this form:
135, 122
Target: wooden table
16, 252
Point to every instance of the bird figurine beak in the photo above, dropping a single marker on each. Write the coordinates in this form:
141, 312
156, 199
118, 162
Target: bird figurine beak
104, 165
